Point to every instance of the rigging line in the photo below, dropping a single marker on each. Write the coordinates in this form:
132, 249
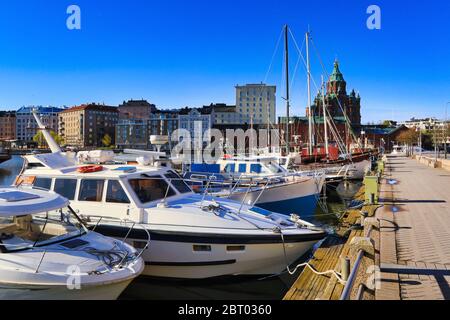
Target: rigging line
317, 88
295, 72
273, 56
319, 57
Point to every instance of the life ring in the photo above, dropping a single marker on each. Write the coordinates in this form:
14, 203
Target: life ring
90, 169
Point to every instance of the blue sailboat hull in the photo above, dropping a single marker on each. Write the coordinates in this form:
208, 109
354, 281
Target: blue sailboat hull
303, 206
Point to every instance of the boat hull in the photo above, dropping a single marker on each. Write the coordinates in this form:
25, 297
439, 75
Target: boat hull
292, 197
110, 291
303, 206
173, 254
256, 259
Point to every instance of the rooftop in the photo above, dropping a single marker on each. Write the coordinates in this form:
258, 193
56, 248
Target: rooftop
92, 106
337, 74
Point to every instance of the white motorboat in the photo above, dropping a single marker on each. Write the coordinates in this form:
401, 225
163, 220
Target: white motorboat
399, 151
192, 235
46, 253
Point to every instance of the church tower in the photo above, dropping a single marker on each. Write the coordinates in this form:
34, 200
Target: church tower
337, 100
336, 84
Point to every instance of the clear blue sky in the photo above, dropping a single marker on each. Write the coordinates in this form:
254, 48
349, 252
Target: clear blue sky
178, 53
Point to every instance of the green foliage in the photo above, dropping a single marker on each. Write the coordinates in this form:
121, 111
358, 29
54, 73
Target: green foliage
40, 140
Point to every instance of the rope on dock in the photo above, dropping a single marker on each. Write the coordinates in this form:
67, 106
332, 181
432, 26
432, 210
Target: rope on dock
306, 264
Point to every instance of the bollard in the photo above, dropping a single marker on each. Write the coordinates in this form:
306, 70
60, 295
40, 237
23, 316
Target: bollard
345, 268
371, 189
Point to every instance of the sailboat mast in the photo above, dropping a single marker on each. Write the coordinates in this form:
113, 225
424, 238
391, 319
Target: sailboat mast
286, 50
325, 124
310, 131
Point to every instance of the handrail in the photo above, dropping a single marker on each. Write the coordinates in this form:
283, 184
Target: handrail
262, 191
128, 233
351, 279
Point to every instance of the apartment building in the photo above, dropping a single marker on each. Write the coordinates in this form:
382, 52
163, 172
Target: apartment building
86, 125
256, 104
7, 125
26, 126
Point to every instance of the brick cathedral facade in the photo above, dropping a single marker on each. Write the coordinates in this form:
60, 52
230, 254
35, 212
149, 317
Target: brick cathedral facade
337, 100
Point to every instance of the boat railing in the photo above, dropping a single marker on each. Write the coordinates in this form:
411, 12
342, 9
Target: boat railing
130, 230
22, 247
354, 272
262, 191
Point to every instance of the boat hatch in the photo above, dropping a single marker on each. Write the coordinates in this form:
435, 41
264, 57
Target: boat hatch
74, 244
16, 196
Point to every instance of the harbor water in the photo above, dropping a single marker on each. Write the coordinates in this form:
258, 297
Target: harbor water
233, 288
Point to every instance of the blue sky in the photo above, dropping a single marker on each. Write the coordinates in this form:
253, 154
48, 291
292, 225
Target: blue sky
178, 53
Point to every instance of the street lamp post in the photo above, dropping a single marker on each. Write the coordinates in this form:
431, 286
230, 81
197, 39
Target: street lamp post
446, 130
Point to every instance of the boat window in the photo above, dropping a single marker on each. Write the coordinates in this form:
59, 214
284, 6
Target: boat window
178, 182
115, 193
151, 189
243, 168
43, 183
91, 190
255, 168
24, 232
274, 168
66, 188
230, 168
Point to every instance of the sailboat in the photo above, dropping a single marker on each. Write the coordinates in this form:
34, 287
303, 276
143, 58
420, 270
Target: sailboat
336, 160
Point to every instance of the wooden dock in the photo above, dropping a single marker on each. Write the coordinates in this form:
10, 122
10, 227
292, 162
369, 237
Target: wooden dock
309, 285
411, 243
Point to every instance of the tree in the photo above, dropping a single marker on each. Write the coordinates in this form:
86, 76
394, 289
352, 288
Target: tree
408, 138
107, 141
40, 139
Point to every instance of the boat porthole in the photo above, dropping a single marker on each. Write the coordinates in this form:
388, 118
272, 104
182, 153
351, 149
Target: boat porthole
235, 248
202, 248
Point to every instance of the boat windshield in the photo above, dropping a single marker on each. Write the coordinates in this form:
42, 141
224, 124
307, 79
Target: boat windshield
39, 230
274, 168
151, 188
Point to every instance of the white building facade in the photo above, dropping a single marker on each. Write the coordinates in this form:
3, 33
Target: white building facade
26, 126
256, 104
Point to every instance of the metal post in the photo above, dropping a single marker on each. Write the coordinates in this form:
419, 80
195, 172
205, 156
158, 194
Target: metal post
288, 107
345, 268
446, 130
310, 115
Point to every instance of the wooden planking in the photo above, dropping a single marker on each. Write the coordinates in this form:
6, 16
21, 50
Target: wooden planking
310, 286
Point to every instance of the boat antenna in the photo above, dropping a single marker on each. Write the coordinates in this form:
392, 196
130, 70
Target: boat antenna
54, 147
